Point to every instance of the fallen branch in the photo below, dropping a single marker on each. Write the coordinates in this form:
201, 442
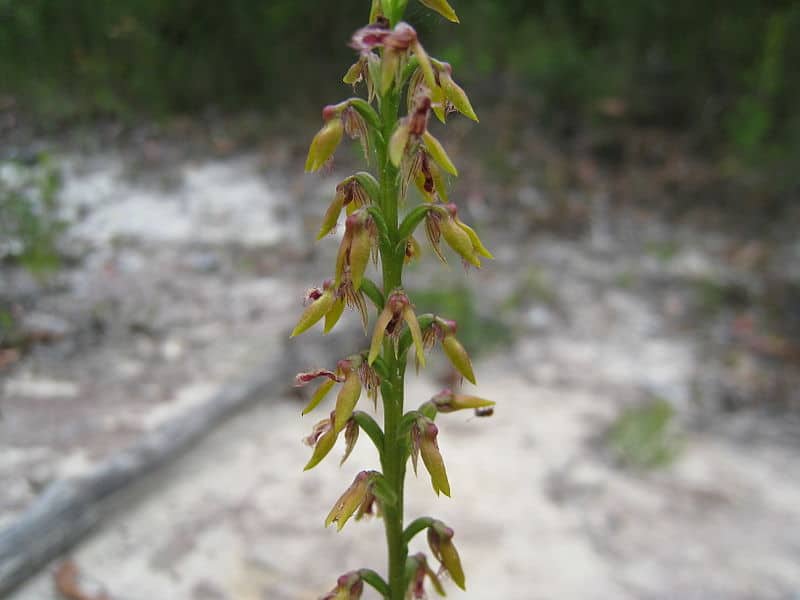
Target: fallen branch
68, 509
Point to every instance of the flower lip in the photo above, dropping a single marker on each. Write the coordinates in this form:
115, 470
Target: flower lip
397, 302
418, 123
376, 35
370, 37
303, 378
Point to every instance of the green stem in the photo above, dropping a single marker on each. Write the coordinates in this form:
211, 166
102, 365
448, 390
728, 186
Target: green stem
394, 449
416, 526
375, 580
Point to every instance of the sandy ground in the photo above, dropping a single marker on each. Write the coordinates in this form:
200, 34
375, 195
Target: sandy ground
183, 287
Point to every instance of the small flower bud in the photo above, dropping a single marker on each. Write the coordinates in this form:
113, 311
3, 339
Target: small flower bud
447, 401
324, 144
352, 498
458, 357
440, 540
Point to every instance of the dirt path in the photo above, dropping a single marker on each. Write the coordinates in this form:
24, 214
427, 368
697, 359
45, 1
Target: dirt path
182, 287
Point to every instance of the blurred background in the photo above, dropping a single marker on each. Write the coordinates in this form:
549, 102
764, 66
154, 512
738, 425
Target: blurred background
635, 173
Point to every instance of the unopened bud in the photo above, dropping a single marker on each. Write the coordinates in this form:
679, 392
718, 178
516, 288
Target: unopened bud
458, 357
324, 144
440, 540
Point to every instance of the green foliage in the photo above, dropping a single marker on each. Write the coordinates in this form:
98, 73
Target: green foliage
644, 436
725, 71
85, 58
29, 222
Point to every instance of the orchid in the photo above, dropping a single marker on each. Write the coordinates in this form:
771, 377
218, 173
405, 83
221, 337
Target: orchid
391, 61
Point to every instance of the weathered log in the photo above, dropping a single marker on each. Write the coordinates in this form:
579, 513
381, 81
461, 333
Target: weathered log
68, 509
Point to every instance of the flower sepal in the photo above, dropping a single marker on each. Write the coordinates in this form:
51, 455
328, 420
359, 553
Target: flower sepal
424, 441
440, 540
353, 498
